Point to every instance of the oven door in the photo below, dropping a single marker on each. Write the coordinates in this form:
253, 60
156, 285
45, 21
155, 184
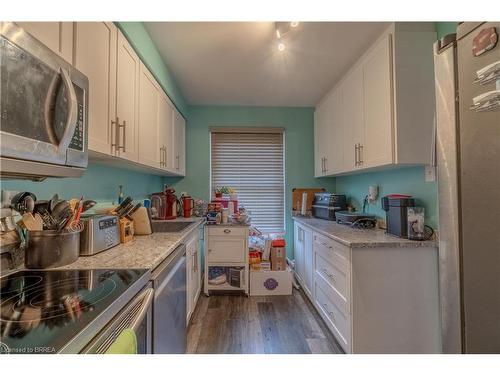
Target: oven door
137, 316
43, 102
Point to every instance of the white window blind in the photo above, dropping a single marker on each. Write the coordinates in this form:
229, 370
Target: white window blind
252, 163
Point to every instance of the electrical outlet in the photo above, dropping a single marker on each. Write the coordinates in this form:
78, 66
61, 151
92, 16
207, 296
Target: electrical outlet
430, 173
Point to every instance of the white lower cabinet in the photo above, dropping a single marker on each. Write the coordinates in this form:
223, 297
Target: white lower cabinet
226, 248
381, 299
193, 273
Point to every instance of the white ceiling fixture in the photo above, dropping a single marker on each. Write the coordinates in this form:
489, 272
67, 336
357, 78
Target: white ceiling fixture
282, 28
237, 63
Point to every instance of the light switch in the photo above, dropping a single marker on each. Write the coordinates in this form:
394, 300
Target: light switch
430, 173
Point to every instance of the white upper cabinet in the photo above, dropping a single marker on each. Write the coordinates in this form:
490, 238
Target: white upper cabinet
384, 107
127, 100
58, 36
378, 125
165, 132
149, 149
95, 56
179, 146
352, 118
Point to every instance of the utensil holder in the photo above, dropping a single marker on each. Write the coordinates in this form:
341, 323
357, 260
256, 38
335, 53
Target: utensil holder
51, 248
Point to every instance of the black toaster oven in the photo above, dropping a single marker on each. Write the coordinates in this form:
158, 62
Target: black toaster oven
326, 204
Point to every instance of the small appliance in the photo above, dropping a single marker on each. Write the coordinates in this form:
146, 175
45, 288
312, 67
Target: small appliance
100, 232
44, 102
396, 213
356, 219
326, 204
187, 205
164, 204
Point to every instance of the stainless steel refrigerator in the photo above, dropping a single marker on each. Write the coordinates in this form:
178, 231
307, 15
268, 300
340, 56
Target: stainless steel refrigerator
467, 72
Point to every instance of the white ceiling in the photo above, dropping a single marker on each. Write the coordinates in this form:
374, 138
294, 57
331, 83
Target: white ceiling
238, 63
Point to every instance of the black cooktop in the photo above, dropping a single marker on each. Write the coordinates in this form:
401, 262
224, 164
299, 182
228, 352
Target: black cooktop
41, 311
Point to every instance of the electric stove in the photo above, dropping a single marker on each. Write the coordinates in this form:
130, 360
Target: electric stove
60, 311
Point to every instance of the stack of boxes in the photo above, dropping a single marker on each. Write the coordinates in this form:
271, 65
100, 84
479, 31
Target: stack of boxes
269, 274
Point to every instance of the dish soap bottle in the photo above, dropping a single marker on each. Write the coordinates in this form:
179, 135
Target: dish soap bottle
120, 194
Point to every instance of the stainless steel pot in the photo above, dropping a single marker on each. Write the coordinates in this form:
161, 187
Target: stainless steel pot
51, 248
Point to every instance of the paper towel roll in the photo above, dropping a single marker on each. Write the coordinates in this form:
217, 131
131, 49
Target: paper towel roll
304, 204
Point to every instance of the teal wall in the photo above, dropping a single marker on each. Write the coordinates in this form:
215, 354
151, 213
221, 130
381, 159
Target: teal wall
299, 148
99, 183
140, 40
444, 28
409, 181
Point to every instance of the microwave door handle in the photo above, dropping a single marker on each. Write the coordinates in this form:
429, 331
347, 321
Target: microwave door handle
72, 111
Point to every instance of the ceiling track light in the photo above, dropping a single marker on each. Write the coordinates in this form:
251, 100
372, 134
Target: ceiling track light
282, 28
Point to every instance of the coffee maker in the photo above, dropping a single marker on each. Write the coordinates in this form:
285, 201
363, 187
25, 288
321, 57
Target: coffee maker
164, 204
396, 213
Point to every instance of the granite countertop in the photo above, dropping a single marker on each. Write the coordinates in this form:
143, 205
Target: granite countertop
146, 251
357, 238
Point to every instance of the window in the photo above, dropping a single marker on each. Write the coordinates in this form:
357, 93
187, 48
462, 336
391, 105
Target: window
251, 161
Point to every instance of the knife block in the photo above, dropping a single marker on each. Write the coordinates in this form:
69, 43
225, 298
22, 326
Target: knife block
126, 230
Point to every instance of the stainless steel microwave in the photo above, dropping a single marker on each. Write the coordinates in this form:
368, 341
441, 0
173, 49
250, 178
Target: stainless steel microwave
43, 110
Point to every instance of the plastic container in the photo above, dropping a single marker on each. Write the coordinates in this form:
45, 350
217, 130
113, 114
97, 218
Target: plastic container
51, 248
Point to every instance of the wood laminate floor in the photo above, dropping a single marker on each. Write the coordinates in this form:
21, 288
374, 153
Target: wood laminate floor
236, 324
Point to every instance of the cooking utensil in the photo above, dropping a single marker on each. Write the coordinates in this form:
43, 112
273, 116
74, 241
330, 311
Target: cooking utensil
88, 204
124, 204
53, 202
135, 208
41, 204
23, 202
48, 220
124, 210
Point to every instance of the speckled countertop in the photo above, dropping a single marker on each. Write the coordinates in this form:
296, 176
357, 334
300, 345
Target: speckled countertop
356, 238
146, 251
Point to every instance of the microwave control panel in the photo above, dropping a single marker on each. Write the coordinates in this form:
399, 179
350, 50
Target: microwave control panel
77, 142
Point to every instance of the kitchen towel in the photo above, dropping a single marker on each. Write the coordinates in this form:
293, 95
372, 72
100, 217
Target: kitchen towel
125, 343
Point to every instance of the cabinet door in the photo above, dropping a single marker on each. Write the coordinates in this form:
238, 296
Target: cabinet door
299, 253
127, 90
95, 56
353, 119
334, 152
377, 72
308, 261
179, 145
226, 250
165, 131
319, 139
58, 36
149, 149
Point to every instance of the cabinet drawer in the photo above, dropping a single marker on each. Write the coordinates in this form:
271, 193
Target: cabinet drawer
338, 322
226, 249
336, 253
337, 280
227, 231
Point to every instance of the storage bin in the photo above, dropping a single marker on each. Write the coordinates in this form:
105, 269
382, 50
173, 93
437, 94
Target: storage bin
269, 283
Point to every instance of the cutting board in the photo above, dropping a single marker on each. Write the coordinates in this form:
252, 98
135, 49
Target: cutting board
297, 197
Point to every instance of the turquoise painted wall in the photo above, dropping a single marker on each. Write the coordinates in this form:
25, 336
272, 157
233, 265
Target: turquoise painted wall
99, 182
443, 28
136, 34
401, 181
299, 148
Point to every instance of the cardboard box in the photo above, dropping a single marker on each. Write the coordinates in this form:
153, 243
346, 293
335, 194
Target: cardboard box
278, 258
268, 283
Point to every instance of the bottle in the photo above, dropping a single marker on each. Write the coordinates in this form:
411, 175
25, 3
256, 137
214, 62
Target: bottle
120, 194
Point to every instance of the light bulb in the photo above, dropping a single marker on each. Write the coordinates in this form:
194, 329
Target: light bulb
281, 46
294, 23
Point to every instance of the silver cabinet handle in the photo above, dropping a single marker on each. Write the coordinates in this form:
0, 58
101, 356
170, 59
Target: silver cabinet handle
326, 168
178, 162
124, 126
330, 276
161, 156
360, 149
165, 157
115, 125
227, 230
356, 162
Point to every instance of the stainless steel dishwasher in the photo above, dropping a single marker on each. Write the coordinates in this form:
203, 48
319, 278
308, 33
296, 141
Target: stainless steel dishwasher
169, 304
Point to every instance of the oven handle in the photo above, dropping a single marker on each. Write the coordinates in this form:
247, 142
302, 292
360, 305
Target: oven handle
72, 111
148, 299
